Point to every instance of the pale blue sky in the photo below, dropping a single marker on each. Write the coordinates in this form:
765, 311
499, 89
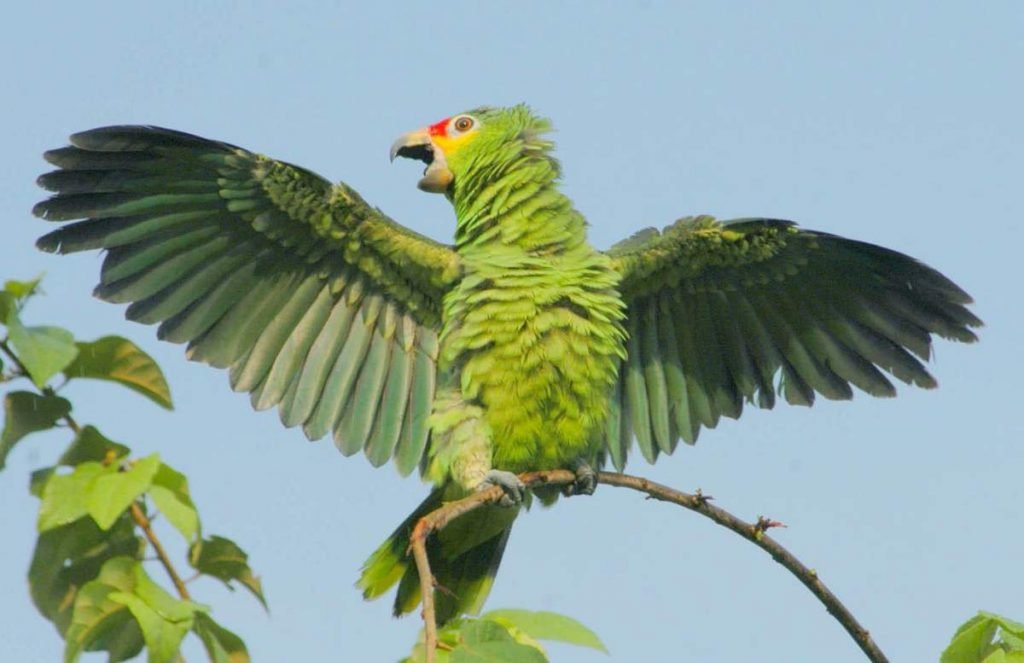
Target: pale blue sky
896, 123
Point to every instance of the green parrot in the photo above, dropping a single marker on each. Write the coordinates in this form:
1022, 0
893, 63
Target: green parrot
518, 347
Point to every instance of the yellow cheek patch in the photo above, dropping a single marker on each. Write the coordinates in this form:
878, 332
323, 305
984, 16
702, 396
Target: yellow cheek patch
451, 144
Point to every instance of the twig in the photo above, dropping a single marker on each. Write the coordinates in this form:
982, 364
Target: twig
13, 357
755, 533
419, 552
143, 522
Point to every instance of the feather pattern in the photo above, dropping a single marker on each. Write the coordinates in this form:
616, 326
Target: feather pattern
263, 268
757, 306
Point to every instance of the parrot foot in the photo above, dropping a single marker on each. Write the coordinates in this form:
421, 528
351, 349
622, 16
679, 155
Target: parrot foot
514, 489
586, 480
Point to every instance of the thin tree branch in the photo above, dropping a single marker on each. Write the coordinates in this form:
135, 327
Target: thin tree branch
143, 522
13, 357
418, 543
755, 533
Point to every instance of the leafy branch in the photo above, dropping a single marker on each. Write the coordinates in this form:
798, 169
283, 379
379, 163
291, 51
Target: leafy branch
87, 574
986, 638
504, 636
137, 513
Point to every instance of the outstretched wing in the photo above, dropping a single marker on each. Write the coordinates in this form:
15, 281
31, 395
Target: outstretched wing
315, 301
725, 312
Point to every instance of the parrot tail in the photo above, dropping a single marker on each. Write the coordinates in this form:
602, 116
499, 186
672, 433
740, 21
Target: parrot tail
464, 558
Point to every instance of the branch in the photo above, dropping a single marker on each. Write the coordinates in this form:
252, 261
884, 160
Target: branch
143, 522
755, 533
13, 357
137, 513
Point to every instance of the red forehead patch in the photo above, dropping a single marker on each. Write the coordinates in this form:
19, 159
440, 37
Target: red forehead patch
439, 128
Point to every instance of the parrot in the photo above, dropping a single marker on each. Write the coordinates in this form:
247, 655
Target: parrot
517, 347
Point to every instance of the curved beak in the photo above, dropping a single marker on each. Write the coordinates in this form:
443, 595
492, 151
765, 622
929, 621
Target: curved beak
419, 145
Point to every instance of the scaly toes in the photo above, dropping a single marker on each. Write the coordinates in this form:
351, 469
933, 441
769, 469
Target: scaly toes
514, 489
585, 482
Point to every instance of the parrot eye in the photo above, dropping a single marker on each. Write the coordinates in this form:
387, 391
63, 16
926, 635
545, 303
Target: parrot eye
463, 123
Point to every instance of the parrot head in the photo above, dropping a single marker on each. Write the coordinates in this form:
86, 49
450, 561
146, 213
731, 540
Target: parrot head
469, 146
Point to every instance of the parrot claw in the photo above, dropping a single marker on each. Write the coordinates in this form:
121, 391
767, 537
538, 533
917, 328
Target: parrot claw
586, 480
514, 489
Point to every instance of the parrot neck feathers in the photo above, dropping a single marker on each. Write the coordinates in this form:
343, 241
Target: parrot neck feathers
512, 199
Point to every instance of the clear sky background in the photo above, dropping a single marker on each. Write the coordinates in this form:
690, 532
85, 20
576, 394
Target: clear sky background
896, 123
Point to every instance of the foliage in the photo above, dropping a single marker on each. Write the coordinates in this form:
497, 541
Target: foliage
986, 638
89, 573
505, 636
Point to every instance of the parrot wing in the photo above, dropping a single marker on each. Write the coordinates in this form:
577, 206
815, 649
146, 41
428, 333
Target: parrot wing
725, 312
315, 301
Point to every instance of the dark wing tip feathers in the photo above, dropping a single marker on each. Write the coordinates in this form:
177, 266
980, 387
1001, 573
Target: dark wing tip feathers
50, 242
39, 209
130, 138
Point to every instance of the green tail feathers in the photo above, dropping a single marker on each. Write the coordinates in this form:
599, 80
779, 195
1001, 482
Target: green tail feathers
464, 558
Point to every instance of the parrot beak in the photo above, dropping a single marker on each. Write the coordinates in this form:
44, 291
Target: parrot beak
418, 145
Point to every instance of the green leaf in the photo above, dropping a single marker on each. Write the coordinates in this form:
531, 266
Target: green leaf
113, 492
22, 289
481, 640
37, 480
497, 652
119, 360
161, 636
222, 646
473, 631
971, 642
170, 494
66, 496
223, 559
547, 626
448, 637
164, 619
122, 609
44, 351
99, 623
8, 305
91, 445
69, 556
26, 412
1014, 642
167, 606
13, 294
1007, 625
506, 635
